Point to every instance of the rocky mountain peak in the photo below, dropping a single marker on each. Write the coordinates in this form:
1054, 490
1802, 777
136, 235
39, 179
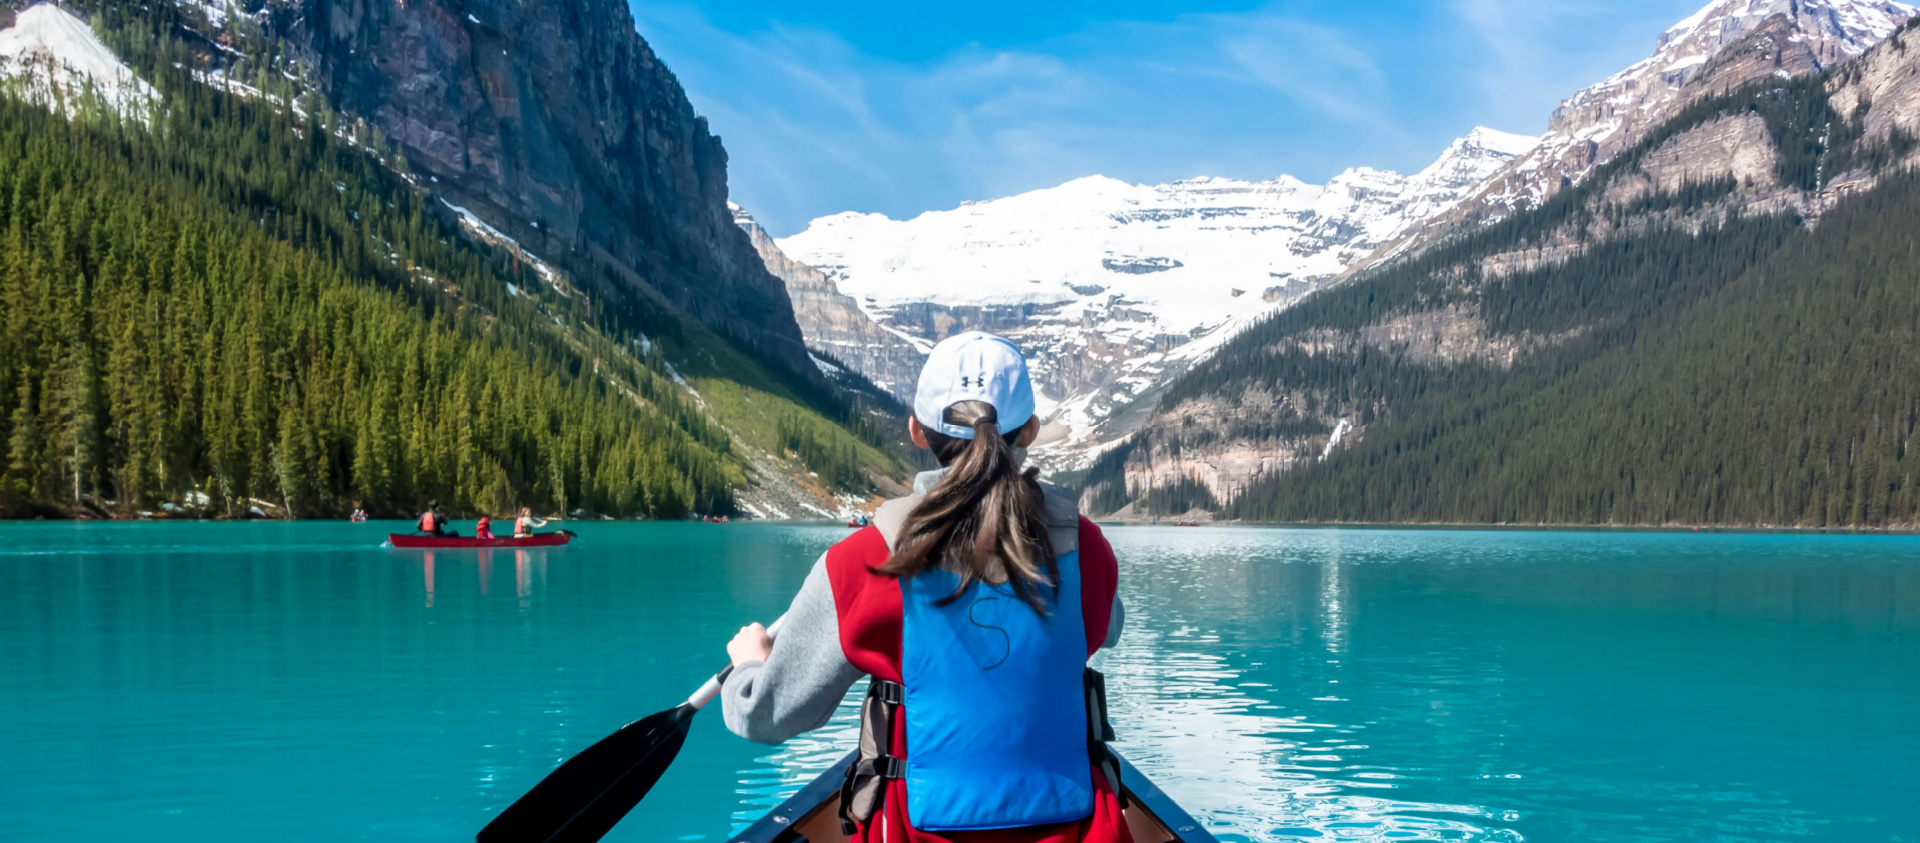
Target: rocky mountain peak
1830, 30
1861, 23
1483, 140
1724, 44
1467, 160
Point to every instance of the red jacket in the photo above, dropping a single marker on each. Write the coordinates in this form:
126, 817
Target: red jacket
871, 619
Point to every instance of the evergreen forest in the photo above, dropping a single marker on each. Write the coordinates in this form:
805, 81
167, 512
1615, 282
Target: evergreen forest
223, 306
1749, 370
1787, 395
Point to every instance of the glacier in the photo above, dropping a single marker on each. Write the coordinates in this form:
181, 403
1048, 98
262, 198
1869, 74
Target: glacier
1112, 286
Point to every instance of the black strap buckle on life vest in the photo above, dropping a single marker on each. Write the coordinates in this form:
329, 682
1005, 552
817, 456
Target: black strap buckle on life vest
1100, 733
887, 767
866, 783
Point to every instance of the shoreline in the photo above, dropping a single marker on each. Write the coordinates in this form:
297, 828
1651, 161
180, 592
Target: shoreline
1899, 530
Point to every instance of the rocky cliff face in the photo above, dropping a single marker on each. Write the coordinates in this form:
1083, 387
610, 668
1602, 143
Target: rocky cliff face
833, 322
554, 122
1880, 92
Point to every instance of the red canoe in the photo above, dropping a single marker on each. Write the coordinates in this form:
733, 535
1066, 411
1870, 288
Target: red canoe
535, 540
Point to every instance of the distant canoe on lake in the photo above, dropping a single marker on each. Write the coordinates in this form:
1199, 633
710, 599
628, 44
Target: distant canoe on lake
410, 540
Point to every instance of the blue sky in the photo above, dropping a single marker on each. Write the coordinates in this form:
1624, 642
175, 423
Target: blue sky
900, 108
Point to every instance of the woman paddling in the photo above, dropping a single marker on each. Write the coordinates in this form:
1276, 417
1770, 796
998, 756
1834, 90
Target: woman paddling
974, 604
524, 525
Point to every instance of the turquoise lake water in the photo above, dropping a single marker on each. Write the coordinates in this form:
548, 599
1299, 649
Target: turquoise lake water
296, 682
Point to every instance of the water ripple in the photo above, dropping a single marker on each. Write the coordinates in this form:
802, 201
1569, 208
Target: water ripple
258, 681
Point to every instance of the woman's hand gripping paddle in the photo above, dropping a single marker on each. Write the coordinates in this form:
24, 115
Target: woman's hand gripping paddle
582, 800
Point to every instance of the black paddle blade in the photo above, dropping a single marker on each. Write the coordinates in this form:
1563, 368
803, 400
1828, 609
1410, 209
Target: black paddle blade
582, 800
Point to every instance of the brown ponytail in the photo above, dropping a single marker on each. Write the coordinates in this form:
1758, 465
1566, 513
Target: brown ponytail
984, 520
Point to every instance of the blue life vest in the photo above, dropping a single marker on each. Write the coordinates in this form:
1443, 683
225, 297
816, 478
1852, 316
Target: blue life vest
996, 717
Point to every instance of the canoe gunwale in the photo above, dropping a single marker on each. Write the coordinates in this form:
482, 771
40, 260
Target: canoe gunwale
783, 818
779, 824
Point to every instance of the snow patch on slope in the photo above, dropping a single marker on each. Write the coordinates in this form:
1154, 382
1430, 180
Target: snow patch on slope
479, 228
246, 91
53, 59
216, 11
1339, 431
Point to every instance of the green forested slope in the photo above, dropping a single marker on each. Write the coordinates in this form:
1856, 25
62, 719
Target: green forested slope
1753, 372
247, 304
1786, 395
163, 336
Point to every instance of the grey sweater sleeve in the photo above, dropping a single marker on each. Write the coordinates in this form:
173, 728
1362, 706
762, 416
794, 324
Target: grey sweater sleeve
802, 681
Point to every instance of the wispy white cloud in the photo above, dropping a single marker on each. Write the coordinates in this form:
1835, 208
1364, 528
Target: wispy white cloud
1317, 66
1540, 51
815, 125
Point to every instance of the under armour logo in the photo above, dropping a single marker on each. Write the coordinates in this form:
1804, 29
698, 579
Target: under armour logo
970, 381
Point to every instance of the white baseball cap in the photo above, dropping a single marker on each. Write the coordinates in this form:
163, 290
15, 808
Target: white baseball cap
974, 366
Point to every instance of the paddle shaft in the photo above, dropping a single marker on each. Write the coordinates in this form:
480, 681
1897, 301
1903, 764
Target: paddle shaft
711, 688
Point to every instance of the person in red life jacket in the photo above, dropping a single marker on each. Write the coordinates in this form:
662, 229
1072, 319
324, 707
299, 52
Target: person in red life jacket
974, 605
432, 523
524, 525
483, 530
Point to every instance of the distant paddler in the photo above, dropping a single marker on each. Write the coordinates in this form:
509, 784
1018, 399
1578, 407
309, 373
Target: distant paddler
525, 524
432, 523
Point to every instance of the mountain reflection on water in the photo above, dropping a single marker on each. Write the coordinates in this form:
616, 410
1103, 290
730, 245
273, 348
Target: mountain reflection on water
298, 682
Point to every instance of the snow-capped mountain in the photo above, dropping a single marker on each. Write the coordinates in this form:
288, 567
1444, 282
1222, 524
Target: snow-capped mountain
1116, 287
57, 62
1113, 286
1852, 189
1725, 44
